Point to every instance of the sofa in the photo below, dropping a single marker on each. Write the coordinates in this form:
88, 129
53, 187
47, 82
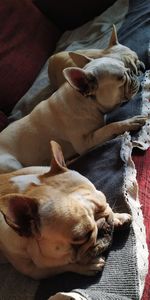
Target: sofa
31, 31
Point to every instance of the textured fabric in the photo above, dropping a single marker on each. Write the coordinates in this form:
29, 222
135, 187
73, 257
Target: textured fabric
27, 39
142, 163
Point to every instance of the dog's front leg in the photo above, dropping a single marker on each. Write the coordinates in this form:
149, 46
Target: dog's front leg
108, 132
28, 268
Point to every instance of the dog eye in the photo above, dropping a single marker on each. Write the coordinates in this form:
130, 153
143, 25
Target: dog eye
82, 239
120, 77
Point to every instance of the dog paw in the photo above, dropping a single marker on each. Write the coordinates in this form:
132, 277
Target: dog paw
91, 268
136, 122
122, 221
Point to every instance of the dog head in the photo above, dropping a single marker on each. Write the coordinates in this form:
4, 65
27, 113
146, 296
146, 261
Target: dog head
105, 80
59, 209
114, 50
124, 53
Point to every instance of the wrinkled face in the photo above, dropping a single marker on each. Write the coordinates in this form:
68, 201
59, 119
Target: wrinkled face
111, 82
59, 212
128, 57
69, 214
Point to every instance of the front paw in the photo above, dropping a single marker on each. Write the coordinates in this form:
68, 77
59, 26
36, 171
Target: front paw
91, 268
122, 220
135, 123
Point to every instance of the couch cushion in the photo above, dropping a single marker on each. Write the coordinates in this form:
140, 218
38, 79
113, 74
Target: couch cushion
27, 39
70, 14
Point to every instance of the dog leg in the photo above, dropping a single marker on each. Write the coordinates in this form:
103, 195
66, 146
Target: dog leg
8, 163
108, 132
27, 267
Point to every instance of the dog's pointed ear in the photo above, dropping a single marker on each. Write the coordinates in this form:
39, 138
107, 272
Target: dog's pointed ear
80, 60
82, 81
57, 162
21, 214
113, 39
76, 77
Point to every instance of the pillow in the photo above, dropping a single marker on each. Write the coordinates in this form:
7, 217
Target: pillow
70, 14
27, 39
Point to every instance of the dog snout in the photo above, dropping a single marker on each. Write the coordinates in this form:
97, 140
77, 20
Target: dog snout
135, 83
140, 67
132, 84
104, 239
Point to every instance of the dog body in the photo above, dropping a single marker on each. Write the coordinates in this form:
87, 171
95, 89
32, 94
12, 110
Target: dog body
50, 218
74, 115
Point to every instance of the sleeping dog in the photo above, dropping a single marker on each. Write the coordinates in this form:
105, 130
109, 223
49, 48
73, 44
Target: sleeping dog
74, 115
59, 61
50, 218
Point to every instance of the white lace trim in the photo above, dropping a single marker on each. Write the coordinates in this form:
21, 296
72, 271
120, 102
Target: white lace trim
142, 141
131, 196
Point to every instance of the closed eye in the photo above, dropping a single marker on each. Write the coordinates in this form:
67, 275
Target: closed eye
82, 239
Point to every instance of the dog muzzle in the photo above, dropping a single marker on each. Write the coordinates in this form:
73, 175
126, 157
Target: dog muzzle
131, 85
103, 241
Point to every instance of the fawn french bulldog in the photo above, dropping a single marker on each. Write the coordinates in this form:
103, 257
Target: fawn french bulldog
50, 218
59, 61
74, 116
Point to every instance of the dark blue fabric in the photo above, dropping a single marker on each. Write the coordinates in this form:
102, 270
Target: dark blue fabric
135, 31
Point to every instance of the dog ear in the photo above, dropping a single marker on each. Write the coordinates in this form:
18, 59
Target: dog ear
113, 39
21, 213
79, 59
57, 162
82, 81
58, 165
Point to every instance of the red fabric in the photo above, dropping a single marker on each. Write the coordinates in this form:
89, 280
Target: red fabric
142, 163
27, 39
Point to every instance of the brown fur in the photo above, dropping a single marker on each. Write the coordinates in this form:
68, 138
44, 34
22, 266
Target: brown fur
50, 218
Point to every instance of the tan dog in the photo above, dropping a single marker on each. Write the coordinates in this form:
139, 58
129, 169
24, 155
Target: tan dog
74, 115
58, 62
50, 219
